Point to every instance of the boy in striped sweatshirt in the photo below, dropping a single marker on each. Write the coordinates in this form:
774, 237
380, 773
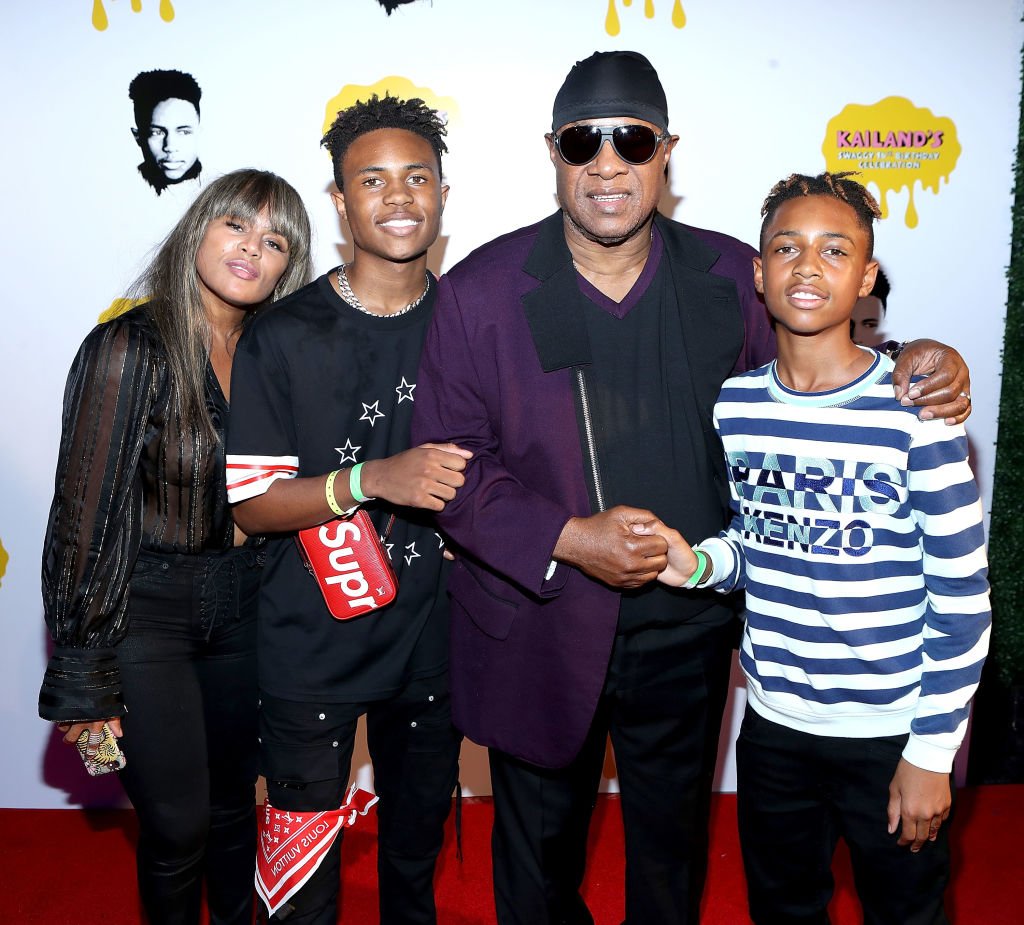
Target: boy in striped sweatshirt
857, 536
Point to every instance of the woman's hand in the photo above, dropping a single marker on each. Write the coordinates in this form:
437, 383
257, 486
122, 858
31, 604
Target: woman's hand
72, 731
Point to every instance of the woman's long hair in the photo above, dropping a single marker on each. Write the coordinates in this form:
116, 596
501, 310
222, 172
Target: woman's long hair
171, 282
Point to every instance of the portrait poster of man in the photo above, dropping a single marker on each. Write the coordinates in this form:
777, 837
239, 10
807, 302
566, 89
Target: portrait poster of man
166, 127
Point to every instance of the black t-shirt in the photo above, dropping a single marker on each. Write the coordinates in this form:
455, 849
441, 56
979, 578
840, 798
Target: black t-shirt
320, 385
647, 433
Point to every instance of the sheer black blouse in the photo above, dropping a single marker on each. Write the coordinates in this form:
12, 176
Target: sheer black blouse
130, 476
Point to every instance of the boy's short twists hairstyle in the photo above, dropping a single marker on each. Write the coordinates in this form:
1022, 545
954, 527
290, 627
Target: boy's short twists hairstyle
836, 185
388, 112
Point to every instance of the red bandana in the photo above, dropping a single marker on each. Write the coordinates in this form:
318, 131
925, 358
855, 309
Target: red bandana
294, 844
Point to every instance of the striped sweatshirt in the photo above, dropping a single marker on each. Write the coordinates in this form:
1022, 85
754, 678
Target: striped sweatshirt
857, 534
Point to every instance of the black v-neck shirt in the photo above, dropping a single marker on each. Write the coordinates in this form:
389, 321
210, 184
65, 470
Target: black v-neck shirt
644, 424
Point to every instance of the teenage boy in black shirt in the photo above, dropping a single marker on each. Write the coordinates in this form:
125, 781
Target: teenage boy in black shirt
325, 383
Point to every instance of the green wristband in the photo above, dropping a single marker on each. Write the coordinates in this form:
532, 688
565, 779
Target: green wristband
355, 484
702, 567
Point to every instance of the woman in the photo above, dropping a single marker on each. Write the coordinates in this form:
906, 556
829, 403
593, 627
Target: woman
149, 589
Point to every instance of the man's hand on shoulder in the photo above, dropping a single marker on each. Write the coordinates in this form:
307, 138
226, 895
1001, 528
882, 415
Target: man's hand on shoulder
946, 393
426, 476
606, 548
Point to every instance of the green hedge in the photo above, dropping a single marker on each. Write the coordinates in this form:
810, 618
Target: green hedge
997, 735
1006, 537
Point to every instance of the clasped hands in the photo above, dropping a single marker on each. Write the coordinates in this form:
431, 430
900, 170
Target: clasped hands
626, 547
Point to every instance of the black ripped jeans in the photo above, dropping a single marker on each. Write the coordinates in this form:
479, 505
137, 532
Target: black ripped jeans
188, 671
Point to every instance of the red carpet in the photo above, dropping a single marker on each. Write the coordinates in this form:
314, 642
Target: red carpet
59, 865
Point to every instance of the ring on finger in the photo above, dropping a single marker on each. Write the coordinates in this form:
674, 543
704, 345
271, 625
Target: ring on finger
966, 395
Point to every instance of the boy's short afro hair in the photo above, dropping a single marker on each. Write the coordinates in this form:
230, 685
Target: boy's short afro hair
388, 112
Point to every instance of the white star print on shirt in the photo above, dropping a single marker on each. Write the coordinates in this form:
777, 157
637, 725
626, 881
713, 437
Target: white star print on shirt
412, 553
404, 390
371, 412
348, 451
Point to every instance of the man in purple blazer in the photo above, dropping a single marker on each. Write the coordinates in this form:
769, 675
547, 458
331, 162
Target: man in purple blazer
579, 360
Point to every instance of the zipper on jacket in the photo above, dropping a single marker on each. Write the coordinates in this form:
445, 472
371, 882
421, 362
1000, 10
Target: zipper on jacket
591, 444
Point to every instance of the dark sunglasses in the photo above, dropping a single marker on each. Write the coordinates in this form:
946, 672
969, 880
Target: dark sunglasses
580, 144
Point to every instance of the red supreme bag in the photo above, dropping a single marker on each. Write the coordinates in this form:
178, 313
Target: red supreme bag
346, 558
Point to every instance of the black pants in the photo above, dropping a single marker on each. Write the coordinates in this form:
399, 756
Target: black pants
797, 794
662, 705
306, 753
188, 670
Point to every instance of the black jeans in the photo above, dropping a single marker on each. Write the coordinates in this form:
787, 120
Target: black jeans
306, 753
188, 671
797, 794
662, 704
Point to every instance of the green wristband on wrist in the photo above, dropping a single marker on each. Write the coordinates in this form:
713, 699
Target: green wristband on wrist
332, 502
355, 486
702, 566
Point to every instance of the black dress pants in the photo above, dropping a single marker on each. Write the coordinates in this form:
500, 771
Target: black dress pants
662, 705
188, 672
797, 794
306, 753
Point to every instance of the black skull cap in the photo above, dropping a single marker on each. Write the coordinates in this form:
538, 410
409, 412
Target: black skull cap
611, 83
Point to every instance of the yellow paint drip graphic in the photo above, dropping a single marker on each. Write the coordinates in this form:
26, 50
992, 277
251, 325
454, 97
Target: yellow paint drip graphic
100, 20
117, 307
894, 145
401, 87
613, 25
4, 559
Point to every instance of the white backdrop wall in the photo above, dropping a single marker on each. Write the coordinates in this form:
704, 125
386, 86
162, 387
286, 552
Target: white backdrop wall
752, 88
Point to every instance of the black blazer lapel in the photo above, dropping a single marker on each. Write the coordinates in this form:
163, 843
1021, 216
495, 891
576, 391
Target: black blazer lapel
553, 310
709, 311
712, 323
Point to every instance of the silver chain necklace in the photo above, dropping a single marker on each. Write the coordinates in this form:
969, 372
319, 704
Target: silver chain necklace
345, 291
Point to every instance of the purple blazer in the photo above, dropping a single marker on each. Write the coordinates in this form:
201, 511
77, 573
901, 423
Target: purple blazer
529, 647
